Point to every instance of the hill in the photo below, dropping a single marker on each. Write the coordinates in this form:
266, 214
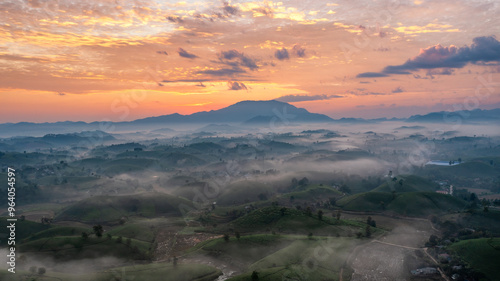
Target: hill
476, 115
110, 209
482, 254
409, 183
415, 204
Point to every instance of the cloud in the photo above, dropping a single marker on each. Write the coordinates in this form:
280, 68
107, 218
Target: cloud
175, 19
186, 80
483, 49
60, 94
162, 52
222, 71
371, 75
299, 98
398, 90
282, 54
235, 58
185, 54
299, 51
444, 71
235, 86
229, 10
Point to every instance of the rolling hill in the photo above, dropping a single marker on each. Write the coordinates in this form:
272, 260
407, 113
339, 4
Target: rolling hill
110, 209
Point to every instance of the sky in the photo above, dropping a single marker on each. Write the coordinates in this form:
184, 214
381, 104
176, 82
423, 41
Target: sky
121, 60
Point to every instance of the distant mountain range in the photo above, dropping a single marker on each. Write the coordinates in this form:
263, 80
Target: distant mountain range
246, 113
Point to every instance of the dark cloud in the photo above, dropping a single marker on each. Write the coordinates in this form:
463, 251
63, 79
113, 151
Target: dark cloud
229, 10
299, 51
223, 71
186, 80
483, 49
398, 90
160, 84
444, 71
371, 75
235, 86
299, 98
162, 52
200, 85
60, 94
282, 54
185, 54
175, 19
234, 58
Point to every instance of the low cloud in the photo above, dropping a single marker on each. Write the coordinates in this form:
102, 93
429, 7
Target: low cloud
398, 90
282, 54
185, 54
299, 98
236, 86
371, 75
299, 51
482, 51
223, 71
235, 58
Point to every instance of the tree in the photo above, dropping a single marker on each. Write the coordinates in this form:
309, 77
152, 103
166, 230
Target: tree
339, 213
304, 181
368, 231
282, 211
41, 270
320, 215
98, 230
310, 235
174, 262
85, 236
433, 240
345, 189
237, 235
255, 276
332, 201
226, 237
308, 211
119, 239
459, 160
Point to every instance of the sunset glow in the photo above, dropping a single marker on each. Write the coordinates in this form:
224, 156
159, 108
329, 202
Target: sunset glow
123, 60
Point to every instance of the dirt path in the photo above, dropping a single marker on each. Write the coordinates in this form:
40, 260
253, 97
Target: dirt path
401, 246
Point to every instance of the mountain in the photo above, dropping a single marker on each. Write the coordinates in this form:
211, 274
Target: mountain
242, 112
272, 112
464, 116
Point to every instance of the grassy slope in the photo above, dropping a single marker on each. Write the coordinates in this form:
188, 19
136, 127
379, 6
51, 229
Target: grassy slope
411, 183
482, 254
408, 203
72, 247
294, 222
148, 272
306, 259
23, 229
100, 209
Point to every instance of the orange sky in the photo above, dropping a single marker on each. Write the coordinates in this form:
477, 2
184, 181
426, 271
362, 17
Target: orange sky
122, 60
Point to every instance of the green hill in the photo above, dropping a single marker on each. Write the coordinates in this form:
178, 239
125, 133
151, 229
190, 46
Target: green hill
243, 192
111, 209
73, 247
58, 231
292, 221
313, 193
367, 201
23, 229
409, 183
481, 254
407, 203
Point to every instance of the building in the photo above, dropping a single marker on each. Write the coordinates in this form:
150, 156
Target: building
424, 271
